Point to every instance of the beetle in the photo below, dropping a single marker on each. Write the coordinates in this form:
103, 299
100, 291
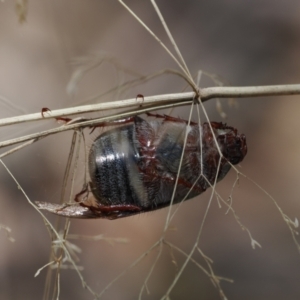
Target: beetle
134, 167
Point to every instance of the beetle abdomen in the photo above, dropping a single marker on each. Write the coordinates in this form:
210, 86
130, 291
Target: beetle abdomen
137, 164
113, 168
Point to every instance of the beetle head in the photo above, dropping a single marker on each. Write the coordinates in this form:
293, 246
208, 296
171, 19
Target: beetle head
232, 144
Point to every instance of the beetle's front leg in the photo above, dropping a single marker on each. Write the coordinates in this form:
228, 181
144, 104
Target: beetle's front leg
83, 191
168, 118
100, 124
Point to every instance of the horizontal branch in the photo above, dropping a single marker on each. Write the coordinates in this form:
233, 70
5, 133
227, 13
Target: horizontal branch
249, 91
135, 102
141, 106
159, 100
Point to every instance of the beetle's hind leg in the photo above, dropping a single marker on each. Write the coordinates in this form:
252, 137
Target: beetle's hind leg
112, 208
90, 209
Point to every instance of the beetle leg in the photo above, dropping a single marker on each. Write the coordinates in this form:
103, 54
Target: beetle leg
62, 119
45, 109
93, 210
84, 190
112, 208
100, 124
116, 122
139, 96
113, 123
95, 206
170, 118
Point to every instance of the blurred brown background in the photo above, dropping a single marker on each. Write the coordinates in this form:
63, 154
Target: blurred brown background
247, 43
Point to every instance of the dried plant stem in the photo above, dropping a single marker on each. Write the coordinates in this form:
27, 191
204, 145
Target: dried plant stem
152, 101
170, 36
249, 91
160, 41
134, 102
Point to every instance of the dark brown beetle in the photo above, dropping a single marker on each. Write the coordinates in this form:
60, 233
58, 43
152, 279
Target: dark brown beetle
133, 167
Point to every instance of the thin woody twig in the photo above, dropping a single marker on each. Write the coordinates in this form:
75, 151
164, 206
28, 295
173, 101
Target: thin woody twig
205, 94
151, 100
249, 91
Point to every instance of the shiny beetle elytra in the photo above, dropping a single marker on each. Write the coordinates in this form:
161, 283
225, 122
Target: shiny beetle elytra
133, 167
